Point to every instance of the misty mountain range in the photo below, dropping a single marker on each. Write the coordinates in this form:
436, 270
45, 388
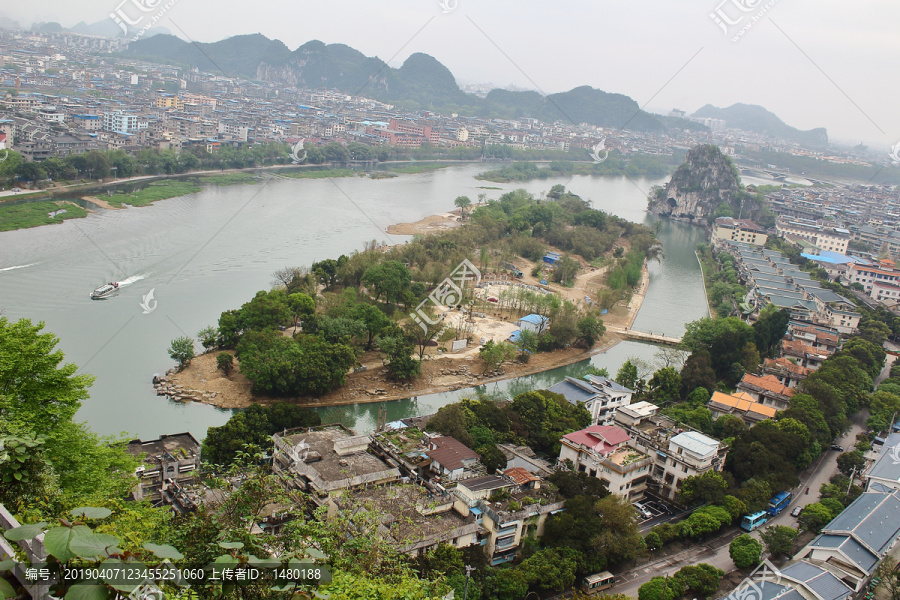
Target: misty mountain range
422, 83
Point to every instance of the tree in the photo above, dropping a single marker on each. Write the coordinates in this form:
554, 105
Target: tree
619, 538
745, 551
301, 307
182, 350
665, 386
208, 337
698, 372
702, 578
495, 354
374, 320
398, 349
851, 461
662, 588
627, 375
565, 270
225, 363
463, 203
778, 539
814, 517
37, 393
653, 541
590, 329
708, 487
390, 278
492, 458
550, 569
266, 310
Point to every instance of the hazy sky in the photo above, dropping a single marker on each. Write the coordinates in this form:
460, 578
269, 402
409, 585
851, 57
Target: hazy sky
824, 64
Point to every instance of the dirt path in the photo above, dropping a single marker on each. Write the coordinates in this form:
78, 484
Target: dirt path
100, 203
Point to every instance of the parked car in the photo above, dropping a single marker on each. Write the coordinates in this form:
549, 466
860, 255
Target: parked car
836, 447
796, 512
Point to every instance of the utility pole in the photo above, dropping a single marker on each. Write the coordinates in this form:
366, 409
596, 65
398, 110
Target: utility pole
469, 570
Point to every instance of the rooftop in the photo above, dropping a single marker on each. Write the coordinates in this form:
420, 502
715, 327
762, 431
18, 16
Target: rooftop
887, 465
174, 444
768, 383
317, 454
450, 453
602, 438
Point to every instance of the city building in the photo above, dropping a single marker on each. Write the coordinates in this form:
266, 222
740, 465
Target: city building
788, 373
885, 471
510, 507
833, 239
120, 121
741, 405
676, 450
325, 460
602, 451
601, 396
739, 230
533, 322
450, 459
857, 540
767, 390
168, 462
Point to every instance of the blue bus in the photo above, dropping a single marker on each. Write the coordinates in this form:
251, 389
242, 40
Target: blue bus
779, 502
751, 522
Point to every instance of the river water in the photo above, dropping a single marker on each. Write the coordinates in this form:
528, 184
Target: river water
211, 251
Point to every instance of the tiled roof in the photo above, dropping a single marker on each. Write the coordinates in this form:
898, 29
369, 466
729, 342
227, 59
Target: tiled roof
450, 453
786, 364
769, 383
742, 404
520, 475
603, 438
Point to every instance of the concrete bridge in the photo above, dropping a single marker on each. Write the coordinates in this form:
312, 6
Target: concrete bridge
644, 336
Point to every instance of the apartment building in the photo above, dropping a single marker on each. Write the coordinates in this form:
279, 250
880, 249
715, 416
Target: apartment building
788, 373
739, 230
832, 239
677, 451
119, 120
741, 405
602, 451
601, 396
509, 507
766, 390
168, 462
327, 460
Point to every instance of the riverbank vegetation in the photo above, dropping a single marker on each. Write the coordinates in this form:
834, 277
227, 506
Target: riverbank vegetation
339, 309
62, 480
635, 166
34, 214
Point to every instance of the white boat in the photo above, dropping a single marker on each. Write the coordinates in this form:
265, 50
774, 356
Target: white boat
105, 290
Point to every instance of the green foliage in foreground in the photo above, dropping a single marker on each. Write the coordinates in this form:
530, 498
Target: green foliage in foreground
34, 214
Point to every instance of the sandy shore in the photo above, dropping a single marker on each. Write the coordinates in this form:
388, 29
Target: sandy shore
101, 203
440, 373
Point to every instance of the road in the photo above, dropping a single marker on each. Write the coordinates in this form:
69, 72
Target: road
715, 551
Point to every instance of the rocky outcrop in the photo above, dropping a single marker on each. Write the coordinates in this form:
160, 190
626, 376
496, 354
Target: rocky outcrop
165, 386
705, 183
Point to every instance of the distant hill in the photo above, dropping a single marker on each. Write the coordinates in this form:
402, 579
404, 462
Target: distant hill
751, 117
422, 82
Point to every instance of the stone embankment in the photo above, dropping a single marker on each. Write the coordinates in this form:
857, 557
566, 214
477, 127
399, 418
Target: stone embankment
164, 386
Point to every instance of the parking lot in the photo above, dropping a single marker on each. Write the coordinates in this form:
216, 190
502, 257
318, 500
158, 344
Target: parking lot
653, 509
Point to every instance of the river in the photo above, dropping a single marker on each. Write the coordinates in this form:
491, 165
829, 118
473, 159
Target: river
211, 251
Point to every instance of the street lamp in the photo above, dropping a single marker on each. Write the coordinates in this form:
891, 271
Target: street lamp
469, 570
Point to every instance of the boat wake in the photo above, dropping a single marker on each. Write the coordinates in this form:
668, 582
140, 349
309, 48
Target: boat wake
131, 280
17, 267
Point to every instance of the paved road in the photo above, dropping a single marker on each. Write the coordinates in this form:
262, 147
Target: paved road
715, 551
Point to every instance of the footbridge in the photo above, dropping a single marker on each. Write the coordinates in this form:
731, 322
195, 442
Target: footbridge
644, 336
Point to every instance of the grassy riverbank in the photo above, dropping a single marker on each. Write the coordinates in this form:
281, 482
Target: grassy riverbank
636, 166
34, 214
157, 190
323, 174
414, 169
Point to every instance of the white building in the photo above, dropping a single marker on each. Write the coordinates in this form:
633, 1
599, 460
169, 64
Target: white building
602, 451
601, 396
120, 121
678, 452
